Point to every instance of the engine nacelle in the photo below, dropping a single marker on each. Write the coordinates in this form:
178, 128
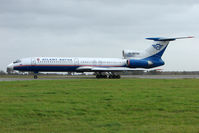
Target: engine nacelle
133, 63
144, 63
130, 53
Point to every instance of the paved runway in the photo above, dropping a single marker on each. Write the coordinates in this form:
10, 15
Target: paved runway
44, 78
13, 78
163, 76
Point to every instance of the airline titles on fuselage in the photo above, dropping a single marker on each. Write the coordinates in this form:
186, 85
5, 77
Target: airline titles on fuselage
97, 61
54, 59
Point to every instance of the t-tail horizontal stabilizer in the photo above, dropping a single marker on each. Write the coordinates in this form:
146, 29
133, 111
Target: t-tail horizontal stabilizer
159, 46
167, 39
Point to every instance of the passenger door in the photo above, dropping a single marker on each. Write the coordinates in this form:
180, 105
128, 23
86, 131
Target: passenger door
33, 61
76, 61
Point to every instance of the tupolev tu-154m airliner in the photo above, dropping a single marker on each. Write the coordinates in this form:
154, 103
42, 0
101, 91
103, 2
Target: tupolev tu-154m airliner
103, 67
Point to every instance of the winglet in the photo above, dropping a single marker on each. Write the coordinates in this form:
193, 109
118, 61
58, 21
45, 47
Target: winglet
167, 39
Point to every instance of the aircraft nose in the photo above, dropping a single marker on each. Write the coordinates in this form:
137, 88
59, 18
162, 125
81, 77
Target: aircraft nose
10, 67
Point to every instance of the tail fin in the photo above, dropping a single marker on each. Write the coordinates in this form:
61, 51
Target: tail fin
159, 46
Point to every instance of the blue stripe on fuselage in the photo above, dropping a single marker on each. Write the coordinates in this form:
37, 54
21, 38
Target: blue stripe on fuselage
53, 68
46, 68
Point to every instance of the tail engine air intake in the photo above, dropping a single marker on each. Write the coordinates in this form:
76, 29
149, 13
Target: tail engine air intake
130, 53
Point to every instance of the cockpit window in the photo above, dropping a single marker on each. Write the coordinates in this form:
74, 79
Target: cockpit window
17, 61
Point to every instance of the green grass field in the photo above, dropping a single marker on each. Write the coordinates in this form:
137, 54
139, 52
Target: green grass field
100, 106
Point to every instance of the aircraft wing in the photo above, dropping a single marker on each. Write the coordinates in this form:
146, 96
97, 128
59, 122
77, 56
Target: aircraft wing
103, 69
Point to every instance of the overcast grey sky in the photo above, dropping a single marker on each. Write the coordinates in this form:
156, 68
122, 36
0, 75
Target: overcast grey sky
98, 28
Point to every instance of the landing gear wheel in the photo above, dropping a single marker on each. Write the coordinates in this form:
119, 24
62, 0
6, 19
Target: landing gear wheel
110, 76
117, 76
114, 77
105, 76
101, 76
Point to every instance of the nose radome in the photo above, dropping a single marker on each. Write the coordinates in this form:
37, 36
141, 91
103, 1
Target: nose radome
10, 67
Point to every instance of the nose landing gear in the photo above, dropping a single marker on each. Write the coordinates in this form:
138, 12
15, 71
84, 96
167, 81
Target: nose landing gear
35, 75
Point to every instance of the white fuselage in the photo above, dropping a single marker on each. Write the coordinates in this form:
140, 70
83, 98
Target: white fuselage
58, 64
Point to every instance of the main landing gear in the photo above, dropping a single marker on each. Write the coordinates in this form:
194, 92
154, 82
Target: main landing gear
110, 75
